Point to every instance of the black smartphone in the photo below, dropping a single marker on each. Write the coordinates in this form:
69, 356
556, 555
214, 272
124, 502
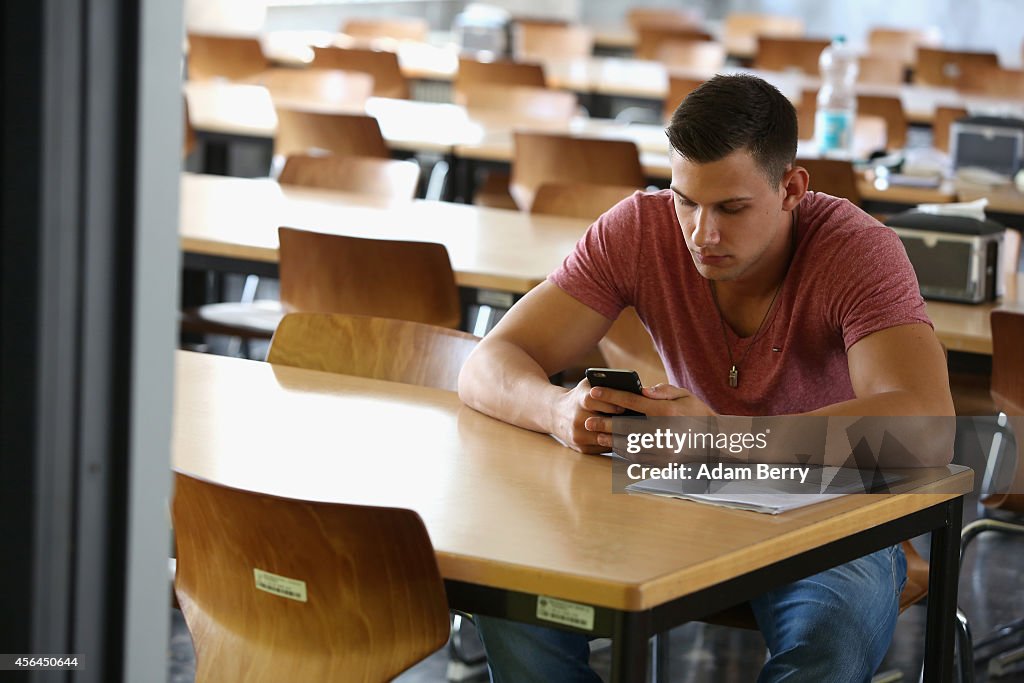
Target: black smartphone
623, 380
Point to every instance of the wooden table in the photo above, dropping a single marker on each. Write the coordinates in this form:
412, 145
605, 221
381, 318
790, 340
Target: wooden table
513, 516
231, 224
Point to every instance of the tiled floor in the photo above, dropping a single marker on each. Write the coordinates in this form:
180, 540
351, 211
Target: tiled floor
991, 593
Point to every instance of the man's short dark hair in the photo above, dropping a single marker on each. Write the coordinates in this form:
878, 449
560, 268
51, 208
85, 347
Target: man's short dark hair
727, 113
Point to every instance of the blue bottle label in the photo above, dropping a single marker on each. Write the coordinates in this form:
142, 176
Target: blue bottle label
834, 131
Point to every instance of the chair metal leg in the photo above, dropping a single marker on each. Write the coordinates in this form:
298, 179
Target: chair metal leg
659, 658
965, 650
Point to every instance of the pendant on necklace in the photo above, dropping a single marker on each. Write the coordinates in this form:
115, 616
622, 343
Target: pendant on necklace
734, 377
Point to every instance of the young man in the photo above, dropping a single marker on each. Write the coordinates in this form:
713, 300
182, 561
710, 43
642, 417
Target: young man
763, 299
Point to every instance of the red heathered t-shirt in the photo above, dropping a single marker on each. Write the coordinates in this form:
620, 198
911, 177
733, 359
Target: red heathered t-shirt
849, 277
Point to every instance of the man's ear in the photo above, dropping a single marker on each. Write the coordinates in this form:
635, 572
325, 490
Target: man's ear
794, 185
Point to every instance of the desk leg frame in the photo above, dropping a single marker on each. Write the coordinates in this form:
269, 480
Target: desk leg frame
942, 591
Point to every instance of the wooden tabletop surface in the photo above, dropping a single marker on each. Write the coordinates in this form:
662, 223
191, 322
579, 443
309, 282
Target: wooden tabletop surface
504, 507
489, 248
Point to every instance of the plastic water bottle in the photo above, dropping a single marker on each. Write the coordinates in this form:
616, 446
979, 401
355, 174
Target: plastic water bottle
837, 100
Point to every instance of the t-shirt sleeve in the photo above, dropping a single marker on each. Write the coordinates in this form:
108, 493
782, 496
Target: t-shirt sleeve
875, 287
600, 272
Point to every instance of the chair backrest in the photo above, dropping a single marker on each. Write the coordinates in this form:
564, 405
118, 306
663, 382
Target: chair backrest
299, 132
522, 101
836, 177
578, 200
705, 56
941, 122
318, 87
351, 569
740, 30
188, 142
473, 73
388, 80
900, 44
666, 17
398, 28
365, 175
540, 158
943, 67
1008, 395
387, 278
650, 39
539, 40
782, 54
379, 348
228, 57
678, 88
880, 70
985, 79
890, 109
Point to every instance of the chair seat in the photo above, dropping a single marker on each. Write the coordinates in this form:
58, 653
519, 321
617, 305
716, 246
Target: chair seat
256, 320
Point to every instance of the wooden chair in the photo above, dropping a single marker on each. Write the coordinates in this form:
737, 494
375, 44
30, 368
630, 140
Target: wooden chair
317, 86
521, 101
650, 39
704, 56
543, 157
900, 44
299, 132
383, 66
943, 67
891, 110
784, 53
678, 88
941, 123
667, 17
832, 176
1006, 497
984, 79
388, 178
276, 589
397, 28
340, 274
578, 200
741, 30
474, 73
224, 57
534, 41
379, 348
881, 70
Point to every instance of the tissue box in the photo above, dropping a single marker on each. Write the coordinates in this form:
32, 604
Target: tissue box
955, 258
990, 142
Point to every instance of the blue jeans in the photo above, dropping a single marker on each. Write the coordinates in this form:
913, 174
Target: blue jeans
834, 627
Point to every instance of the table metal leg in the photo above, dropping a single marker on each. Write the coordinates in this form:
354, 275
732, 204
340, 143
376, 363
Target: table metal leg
942, 587
629, 648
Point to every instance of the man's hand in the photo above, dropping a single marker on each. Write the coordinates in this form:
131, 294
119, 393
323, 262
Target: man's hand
661, 400
578, 406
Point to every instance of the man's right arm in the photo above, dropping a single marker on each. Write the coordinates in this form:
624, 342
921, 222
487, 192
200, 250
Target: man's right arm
506, 377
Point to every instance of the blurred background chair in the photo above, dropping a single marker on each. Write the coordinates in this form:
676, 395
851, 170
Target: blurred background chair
383, 66
473, 73
534, 41
540, 158
901, 44
678, 88
879, 70
942, 68
944, 118
836, 177
300, 132
740, 31
704, 56
379, 348
985, 79
357, 566
227, 57
316, 87
651, 38
789, 53
387, 178
340, 274
397, 28
667, 17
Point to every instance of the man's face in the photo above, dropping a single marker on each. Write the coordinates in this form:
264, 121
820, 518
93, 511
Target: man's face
731, 217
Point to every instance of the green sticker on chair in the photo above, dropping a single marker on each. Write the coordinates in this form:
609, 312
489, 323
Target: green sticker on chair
282, 586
